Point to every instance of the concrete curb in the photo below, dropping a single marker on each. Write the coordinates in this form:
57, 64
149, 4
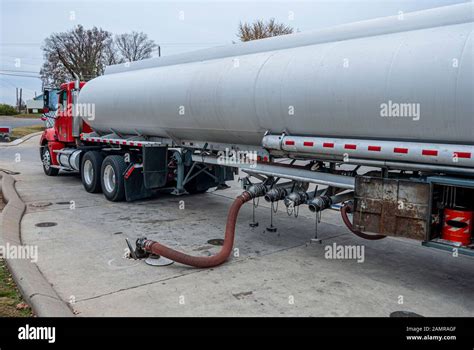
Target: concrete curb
36, 290
21, 140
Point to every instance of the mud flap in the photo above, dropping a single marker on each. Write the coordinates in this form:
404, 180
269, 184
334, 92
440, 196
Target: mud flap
134, 185
155, 166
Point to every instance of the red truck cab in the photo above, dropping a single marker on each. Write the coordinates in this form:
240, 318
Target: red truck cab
59, 135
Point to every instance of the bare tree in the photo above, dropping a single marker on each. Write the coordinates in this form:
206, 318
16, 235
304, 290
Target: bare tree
53, 72
134, 46
112, 54
76, 53
85, 53
260, 29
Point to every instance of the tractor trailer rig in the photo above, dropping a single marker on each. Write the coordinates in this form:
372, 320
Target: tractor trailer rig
377, 116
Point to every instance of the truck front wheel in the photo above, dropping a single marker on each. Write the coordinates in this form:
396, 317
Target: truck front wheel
90, 171
113, 182
46, 159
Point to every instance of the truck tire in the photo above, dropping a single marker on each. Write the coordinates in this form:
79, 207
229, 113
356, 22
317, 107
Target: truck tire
111, 177
192, 187
46, 160
198, 184
90, 171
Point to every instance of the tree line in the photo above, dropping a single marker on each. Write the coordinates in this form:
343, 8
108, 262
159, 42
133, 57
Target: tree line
84, 53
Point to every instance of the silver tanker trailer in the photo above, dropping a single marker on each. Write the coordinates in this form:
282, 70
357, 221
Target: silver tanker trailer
375, 116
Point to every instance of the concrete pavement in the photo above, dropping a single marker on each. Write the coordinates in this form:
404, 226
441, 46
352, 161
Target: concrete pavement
36, 290
273, 274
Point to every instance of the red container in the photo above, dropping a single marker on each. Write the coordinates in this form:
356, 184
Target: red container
457, 226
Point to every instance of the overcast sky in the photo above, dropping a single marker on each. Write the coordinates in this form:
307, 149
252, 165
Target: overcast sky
25, 24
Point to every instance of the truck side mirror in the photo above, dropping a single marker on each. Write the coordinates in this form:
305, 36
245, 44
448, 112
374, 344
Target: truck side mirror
46, 101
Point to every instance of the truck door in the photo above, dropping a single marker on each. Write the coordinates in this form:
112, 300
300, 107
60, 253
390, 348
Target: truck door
63, 122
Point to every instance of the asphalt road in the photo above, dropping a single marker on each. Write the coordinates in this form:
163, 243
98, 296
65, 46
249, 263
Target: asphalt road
270, 274
13, 122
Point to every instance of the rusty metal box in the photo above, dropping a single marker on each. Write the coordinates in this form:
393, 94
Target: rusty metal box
392, 207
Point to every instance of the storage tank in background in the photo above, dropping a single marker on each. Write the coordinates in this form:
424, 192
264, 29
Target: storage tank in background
329, 82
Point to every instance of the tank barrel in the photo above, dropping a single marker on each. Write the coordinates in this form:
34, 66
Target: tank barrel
165, 94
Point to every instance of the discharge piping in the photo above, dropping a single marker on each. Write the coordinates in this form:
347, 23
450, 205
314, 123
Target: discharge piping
347, 208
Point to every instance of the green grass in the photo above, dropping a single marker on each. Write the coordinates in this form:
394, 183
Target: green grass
10, 296
25, 130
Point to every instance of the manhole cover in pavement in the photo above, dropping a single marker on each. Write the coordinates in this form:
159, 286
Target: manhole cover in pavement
216, 241
404, 314
46, 224
40, 204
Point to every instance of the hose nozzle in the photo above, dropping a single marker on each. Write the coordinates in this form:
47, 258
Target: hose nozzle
139, 251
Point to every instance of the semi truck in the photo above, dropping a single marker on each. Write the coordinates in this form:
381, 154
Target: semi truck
373, 116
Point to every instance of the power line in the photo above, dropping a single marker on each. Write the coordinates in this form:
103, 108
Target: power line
23, 57
193, 44
21, 75
20, 44
161, 43
18, 71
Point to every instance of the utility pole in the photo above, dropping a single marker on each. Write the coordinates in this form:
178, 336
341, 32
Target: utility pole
17, 104
21, 98
159, 50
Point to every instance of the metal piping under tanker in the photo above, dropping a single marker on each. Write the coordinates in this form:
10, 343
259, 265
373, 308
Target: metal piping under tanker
330, 83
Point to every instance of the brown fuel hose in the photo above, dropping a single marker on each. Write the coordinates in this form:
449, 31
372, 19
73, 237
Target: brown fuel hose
347, 208
204, 261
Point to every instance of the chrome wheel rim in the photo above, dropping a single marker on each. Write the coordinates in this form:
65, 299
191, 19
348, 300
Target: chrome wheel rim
109, 178
88, 172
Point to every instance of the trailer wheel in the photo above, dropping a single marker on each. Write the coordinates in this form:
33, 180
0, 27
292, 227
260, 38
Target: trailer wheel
193, 188
46, 160
113, 182
90, 171
198, 184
